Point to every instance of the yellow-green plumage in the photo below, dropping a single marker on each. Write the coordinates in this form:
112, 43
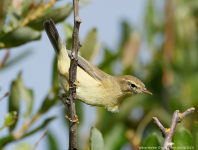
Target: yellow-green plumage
95, 87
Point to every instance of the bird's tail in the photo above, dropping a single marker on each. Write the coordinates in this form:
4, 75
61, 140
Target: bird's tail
55, 39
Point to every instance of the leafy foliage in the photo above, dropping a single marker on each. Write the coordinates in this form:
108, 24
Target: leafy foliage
151, 141
24, 25
57, 15
52, 142
9, 119
182, 138
96, 140
19, 92
195, 135
168, 67
26, 21
89, 44
19, 36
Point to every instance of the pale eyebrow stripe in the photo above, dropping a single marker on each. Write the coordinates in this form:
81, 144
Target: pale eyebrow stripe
131, 82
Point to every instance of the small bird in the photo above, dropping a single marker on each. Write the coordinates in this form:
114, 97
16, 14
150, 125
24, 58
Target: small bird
95, 87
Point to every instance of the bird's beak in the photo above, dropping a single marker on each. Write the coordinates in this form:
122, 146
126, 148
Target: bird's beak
146, 91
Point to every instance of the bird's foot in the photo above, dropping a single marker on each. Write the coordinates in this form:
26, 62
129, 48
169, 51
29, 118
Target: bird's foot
64, 99
75, 83
75, 120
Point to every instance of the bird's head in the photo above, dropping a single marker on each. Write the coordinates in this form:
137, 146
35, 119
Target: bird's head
132, 85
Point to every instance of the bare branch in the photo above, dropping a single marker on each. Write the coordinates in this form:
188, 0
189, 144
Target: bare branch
72, 78
188, 112
160, 126
39, 140
6, 94
169, 132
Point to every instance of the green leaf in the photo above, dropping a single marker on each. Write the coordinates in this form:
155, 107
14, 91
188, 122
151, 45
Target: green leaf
69, 43
26, 95
14, 101
51, 98
4, 4
52, 144
43, 125
57, 15
16, 59
24, 146
19, 92
19, 36
25, 8
9, 119
96, 141
151, 142
108, 60
126, 31
85, 2
112, 137
68, 30
195, 135
6, 140
182, 138
130, 50
88, 46
49, 101
10, 138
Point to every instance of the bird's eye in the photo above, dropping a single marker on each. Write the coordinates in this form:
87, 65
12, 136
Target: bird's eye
133, 85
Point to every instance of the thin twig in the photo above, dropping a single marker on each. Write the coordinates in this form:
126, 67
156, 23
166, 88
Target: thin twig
158, 123
20, 133
5, 58
32, 16
169, 132
6, 94
39, 140
72, 78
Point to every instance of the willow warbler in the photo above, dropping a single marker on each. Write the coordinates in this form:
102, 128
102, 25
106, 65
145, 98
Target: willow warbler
95, 87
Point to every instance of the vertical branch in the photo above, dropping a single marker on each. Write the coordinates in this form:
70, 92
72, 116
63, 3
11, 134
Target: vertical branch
72, 78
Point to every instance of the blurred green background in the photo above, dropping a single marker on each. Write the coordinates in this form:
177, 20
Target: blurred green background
163, 53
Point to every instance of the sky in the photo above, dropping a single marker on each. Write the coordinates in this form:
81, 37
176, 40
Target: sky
104, 15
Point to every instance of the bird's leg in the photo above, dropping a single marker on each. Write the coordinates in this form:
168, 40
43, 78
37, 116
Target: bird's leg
76, 83
76, 120
68, 99
64, 99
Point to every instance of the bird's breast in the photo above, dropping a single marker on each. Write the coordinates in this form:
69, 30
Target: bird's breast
95, 93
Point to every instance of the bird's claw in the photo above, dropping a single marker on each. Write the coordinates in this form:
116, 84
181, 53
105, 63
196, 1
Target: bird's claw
76, 119
75, 83
62, 97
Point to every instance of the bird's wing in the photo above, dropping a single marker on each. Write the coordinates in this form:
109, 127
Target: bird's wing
92, 70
